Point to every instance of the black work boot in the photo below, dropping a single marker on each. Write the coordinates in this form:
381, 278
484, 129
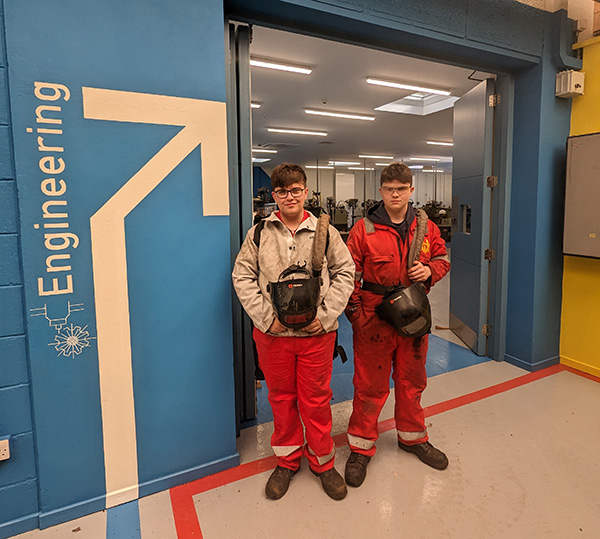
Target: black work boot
279, 482
356, 469
427, 453
333, 483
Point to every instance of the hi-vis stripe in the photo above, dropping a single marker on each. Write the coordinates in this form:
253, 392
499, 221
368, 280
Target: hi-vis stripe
203, 122
284, 450
361, 443
411, 436
325, 458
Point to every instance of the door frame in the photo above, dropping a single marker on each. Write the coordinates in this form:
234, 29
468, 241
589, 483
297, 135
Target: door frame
502, 164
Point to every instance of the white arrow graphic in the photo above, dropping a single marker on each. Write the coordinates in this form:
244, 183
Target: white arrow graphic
203, 122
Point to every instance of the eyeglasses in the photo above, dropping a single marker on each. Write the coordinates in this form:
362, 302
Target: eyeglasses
399, 190
283, 193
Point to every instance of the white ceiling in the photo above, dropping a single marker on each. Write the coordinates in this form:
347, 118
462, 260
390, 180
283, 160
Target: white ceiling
338, 83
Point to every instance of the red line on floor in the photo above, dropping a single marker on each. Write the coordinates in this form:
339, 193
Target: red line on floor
184, 512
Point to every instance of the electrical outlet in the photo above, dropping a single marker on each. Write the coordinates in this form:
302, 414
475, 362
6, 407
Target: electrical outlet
4, 448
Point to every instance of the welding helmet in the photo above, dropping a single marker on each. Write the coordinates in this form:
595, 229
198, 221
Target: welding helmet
295, 296
406, 310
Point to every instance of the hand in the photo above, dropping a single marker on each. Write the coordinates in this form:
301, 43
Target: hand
314, 327
419, 272
277, 327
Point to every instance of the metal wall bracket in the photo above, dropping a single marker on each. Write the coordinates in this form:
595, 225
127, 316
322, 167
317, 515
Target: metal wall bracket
492, 181
493, 100
489, 254
486, 330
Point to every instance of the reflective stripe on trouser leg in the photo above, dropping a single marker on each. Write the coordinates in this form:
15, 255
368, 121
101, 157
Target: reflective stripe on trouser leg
418, 437
284, 450
410, 380
313, 377
374, 346
360, 443
322, 460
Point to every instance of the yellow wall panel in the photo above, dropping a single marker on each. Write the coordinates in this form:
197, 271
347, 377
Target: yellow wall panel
580, 319
585, 112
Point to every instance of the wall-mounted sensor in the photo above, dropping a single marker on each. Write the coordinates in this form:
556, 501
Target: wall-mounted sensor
569, 83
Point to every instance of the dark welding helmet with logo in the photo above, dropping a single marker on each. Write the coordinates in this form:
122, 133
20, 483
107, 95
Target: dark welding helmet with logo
407, 310
295, 296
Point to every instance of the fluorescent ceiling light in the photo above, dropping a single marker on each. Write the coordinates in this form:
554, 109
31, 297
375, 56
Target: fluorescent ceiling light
279, 66
381, 164
263, 150
360, 168
423, 159
254, 105
259, 160
415, 167
319, 167
375, 157
436, 143
346, 115
344, 163
403, 86
297, 132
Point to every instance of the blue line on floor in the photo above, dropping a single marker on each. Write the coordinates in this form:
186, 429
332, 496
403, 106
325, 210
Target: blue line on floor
123, 521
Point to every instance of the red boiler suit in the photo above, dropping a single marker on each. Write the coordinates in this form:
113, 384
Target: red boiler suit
380, 256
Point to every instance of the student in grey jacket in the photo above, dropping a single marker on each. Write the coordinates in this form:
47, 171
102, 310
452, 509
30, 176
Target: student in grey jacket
296, 361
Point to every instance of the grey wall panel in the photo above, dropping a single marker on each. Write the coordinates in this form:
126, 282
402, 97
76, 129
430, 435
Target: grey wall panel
582, 201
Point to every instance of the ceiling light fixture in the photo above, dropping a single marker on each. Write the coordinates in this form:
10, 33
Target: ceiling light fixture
346, 115
375, 157
403, 86
437, 143
254, 105
344, 163
360, 168
415, 167
259, 160
297, 132
435, 160
263, 150
271, 64
319, 167
381, 164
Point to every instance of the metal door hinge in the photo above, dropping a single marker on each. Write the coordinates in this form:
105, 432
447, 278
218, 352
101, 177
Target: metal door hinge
493, 100
492, 181
486, 330
489, 254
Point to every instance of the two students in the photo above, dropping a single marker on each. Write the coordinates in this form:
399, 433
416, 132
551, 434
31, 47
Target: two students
297, 362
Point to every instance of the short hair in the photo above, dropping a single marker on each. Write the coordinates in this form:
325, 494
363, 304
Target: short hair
396, 171
287, 174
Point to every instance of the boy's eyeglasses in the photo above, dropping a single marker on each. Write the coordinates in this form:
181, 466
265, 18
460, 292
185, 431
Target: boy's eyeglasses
400, 190
283, 193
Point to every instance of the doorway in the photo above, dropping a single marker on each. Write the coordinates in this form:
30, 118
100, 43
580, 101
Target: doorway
291, 123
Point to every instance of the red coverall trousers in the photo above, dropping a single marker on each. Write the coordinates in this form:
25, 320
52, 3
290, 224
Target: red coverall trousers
378, 349
298, 374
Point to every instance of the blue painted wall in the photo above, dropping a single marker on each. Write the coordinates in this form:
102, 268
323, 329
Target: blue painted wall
535, 259
18, 478
177, 258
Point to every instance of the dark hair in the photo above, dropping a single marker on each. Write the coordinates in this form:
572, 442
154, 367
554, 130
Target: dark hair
396, 171
287, 174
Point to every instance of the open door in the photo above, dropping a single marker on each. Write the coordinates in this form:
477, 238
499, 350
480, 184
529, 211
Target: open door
472, 184
240, 196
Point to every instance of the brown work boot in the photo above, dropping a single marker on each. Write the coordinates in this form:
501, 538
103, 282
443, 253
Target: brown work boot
356, 469
279, 482
333, 483
427, 453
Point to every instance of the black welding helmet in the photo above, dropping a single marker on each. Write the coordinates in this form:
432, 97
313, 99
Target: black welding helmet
295, 296
406, 310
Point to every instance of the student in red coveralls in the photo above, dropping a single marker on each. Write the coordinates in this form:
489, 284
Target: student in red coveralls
379, 245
